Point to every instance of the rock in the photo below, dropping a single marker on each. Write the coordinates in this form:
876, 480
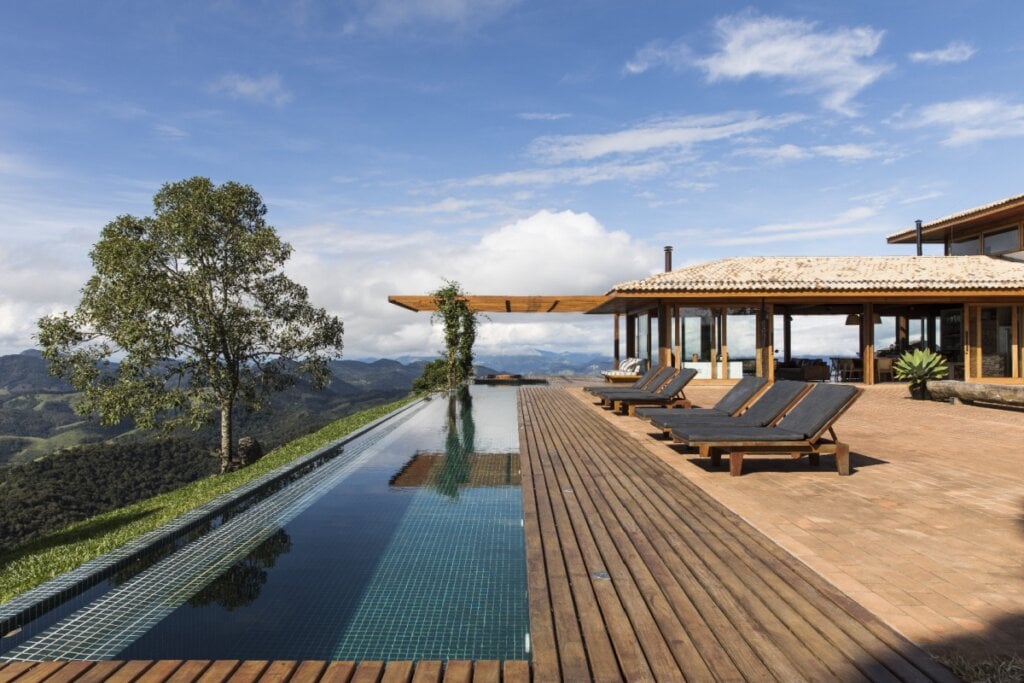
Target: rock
249, 451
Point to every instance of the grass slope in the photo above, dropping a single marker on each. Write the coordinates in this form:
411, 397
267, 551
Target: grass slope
32, 564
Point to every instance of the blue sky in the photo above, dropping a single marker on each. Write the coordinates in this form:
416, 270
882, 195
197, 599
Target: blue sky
518, 147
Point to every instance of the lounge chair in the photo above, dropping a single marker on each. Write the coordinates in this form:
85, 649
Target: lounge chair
733, 403
670, 394
766, 411
639, 384
800, 432
657, 380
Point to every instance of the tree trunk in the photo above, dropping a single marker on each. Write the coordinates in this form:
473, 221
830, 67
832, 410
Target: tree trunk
227, 445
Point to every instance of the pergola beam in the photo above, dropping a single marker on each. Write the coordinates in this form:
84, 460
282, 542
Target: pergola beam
507, 304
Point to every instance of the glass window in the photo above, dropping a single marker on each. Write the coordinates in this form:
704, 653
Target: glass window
966, 247
1002, 242
996, 337
741, 336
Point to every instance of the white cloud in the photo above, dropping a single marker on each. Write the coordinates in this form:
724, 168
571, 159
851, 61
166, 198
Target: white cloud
18, 166
790, 152
266, 90
831, 63
673, 134
657, 53
387, 15
972, 120
570, 175
849, 222
168, 131
542, 116
954, 53
546, 253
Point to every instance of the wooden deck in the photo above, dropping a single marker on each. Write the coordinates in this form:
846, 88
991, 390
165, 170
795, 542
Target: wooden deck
636, 574
179, 671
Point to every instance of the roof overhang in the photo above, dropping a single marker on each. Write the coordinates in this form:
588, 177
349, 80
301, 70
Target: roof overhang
636, 302
502, 303
936, 231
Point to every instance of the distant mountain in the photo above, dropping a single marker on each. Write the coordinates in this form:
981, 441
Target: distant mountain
537, 362
37, 417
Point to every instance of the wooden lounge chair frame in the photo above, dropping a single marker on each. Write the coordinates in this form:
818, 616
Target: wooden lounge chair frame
677, 399
813, 447
667, 430
658, 379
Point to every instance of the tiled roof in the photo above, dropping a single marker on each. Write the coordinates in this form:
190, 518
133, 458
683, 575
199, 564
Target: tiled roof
836, 273
1009, 201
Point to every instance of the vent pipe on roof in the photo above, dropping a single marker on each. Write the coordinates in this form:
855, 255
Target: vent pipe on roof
668, 259
920, 237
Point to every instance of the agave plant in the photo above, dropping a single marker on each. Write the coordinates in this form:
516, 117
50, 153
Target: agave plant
919, 366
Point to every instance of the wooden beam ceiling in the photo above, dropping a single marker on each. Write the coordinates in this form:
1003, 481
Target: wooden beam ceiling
499, 303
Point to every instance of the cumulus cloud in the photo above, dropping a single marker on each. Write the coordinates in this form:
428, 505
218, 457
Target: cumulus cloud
268, 89
833, 64
971, 120
954, 53
670, 134
546, 253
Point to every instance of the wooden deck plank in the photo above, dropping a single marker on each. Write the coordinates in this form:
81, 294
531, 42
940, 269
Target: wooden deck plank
397, 672
711, 583
515, 672
220, 670
308, 671
568, 640
696, 630
488, 671
100, 671
368, 672
609, 641
248, 670
458, 671
131, 670
338, 672
279, 671
642, 649
428, 672
191, 670
162, 670
70, 671
11, 670
40, 672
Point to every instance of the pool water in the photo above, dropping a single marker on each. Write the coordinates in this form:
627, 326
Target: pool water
408, 545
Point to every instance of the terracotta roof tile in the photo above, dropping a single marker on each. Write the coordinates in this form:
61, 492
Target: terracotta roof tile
836, 273
1009, 201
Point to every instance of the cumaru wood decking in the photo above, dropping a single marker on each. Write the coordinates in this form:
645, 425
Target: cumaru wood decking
204, 671
636, 574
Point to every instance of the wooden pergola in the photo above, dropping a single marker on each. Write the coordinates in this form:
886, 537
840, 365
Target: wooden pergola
504, 303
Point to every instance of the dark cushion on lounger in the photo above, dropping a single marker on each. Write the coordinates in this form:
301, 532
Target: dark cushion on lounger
817, 408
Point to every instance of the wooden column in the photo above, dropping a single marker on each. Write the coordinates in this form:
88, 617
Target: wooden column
724, 358
1015, 342
902, 332
664, 336
930, 332
650, 355
787, 337
615, 353
965, 339
677, 337
630, 336
867, 335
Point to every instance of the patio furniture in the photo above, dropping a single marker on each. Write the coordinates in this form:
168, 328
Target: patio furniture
800, 432
628, 371
767, 410
883, 368
670, 394
850, 370
643, 383
803, 370
734, 401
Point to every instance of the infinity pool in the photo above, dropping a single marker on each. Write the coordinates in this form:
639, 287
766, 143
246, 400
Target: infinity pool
407, 545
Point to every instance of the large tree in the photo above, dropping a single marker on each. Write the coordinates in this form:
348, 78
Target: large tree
193, 305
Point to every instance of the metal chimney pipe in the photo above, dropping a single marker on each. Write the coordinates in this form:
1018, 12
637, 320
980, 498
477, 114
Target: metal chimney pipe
668, 259
920, 237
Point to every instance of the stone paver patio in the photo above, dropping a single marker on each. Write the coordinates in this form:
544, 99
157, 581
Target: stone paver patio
928, 532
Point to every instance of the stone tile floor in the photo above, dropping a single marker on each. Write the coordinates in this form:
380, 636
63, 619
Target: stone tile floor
928, 531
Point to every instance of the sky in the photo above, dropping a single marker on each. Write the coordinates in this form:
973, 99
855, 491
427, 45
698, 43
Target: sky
516, 147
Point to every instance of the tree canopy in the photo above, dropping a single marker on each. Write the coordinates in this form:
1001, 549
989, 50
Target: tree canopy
194, 305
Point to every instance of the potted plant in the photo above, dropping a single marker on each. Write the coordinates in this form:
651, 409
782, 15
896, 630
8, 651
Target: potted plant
917, 367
